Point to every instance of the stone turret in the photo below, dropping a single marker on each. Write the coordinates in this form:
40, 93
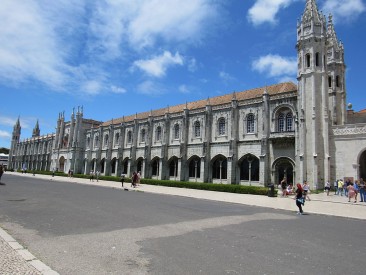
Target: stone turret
336, 76
14, 141
313, 101
36, 131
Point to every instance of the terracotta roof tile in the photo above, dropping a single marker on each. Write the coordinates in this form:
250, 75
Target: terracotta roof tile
218, 100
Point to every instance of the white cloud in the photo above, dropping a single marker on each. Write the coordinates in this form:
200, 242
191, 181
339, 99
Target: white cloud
158, 65
150, 88
276, 66
266, 10
225, 76
4, 134
92, 87
192, 65
340, 9
118, 90
175, 20
184, 89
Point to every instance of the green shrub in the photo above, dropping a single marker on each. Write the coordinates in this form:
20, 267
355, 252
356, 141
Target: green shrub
230, 188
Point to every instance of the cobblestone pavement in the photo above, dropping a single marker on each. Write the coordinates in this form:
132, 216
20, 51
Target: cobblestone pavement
11, 262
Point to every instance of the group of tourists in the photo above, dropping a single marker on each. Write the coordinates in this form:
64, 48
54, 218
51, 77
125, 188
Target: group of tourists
135, 179
350, 189
93, 175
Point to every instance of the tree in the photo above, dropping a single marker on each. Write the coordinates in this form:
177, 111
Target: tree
4, 150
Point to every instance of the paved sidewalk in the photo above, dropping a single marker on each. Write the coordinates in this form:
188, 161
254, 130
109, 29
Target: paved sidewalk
322, 204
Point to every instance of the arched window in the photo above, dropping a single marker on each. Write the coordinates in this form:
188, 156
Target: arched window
308, 60
173, 167
289, 122
96, 142
337, 81
106, 140
129, 137
88, 142
197, 129
158, 133
250, 123
219, 168
329, 81
317, 59
116, 139
249, 168
176, 131
195, 168
222, 126
281, 122
142, 135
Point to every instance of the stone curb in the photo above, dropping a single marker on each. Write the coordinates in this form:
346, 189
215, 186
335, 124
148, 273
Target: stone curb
26, 255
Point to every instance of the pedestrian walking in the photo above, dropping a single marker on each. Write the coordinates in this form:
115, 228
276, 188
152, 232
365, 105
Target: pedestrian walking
134, 179
299, 197
327, 187
53, 172
335, 184
306, 190
351, 192
122, 178
356, 188
362, 191
138, 178
91, 175
97, 174
340, 187
1, 172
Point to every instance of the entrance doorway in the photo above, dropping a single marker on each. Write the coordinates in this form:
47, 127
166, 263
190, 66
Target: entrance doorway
362, 165
284, 168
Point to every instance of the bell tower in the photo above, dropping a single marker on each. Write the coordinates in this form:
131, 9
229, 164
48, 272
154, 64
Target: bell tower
14, 141
336, 76
312, 156
36, 131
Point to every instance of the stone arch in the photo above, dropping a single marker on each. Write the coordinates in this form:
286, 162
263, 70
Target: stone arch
194, 167
249, 168
155, 163
362, 164
124, 166
102, 165
173, 167
283, 167
140, 165
61, 164
113, 165
219, 167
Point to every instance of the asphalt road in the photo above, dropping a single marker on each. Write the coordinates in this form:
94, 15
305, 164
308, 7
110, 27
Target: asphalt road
79, 229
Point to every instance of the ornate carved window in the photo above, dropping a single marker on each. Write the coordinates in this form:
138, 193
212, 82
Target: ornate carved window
158, 133
176, 131
197, 129
106, 140
289, 122
96, 141
222, 126
116, 139
250, 123
129, 137
281, 122
308, 60
142, 135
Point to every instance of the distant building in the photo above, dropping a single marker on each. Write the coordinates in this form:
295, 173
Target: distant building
4, 158
255, 137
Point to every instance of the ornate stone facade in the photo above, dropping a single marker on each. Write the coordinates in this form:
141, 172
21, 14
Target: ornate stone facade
254, 137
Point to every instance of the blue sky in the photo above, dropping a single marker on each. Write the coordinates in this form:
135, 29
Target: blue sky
121, 57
